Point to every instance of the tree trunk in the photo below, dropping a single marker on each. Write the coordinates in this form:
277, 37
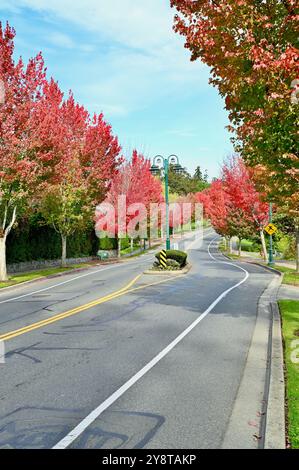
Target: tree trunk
63, 253
132, 245
297, 249
230, 246
265, 253
225, 243
240, 247
3, 268
119, 247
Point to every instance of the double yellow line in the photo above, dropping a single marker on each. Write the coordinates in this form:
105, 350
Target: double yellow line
48, 321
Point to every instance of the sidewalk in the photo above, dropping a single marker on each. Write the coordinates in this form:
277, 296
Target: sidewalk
288, 292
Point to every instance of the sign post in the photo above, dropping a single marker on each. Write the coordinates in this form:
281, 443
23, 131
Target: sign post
270, 230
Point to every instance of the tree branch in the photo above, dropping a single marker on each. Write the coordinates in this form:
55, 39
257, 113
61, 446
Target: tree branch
13, 219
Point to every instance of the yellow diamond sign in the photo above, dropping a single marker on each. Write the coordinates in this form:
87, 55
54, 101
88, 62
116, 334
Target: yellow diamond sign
271, 229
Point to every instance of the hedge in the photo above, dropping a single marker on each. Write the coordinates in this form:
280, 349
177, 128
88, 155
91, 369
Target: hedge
35, 243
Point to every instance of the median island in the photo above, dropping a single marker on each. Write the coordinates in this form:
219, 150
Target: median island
170, 262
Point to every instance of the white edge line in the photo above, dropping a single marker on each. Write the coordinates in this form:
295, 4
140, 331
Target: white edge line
83, 425
13, 299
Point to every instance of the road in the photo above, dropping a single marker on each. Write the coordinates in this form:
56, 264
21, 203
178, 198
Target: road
112, 358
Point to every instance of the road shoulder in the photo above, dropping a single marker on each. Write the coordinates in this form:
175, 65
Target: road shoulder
247, 428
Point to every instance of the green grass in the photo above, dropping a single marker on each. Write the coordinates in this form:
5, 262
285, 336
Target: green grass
290, 327
290, 276
135, 255
24, 277
127, 251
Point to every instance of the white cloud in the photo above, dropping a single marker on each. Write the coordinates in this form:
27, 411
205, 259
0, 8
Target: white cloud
136, 23
144, 59
60, 40
182, 133
108, 109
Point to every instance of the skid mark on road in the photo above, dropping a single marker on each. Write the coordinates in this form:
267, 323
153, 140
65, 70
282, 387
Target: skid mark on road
62, 316
69, 439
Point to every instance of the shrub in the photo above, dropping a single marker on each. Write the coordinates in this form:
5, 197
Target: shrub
287, 246
176, 255
30, 242
251, 246
171, 263
108, 244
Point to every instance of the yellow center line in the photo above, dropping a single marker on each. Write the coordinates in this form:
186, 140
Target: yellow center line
125, 290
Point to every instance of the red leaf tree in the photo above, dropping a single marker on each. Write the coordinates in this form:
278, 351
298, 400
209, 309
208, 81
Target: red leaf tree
138, 186
233, 204
20, 170
80, 156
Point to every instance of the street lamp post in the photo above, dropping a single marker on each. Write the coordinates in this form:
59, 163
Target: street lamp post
161, 163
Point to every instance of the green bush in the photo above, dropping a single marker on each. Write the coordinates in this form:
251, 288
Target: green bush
108, 244
251, 246
31, 242
171, 263
179, 256
286, 245
111, 243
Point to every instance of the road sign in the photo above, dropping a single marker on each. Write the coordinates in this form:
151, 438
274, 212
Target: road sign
271, 229
163, 258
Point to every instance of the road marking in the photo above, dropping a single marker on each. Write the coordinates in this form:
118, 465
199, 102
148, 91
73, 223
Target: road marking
61, 316
85, 423
13, 299
114, 295
226, 262
125, 290
62, 283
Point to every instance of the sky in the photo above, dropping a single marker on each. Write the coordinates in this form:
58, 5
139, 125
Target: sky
122, 58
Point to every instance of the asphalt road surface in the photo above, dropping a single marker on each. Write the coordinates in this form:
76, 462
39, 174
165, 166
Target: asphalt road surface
106, 358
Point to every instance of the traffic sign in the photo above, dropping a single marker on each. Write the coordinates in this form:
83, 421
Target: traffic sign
271, 229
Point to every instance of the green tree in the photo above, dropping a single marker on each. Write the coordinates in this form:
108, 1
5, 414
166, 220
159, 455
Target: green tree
198, 174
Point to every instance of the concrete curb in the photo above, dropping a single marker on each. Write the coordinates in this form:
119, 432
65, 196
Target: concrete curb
246, 428
275, 428
170, 273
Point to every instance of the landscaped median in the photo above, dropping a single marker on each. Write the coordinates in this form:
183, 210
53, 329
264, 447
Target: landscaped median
170, 262
290, 327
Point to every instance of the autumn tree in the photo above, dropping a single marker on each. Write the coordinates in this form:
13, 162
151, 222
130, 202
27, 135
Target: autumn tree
80, 155
20, 171
248, 213
135, 182
252, 50
233, 205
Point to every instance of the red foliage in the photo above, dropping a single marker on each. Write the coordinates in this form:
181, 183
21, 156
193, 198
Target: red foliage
232, 203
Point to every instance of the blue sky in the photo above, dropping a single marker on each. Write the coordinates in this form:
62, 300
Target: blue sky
122, 57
